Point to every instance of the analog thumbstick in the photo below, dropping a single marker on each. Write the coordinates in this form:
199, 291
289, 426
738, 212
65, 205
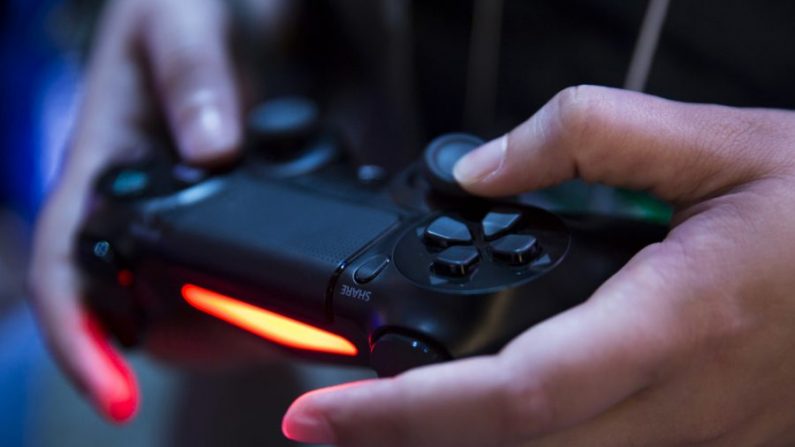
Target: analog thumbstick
282, 127
441, 156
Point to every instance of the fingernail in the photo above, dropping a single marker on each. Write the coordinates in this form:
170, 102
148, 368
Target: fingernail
480, 163
206, 132
301, 426
118, 403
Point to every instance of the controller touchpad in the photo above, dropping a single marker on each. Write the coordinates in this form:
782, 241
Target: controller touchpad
268, 229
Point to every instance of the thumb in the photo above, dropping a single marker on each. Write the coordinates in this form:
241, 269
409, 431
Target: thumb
680, 152
559, 373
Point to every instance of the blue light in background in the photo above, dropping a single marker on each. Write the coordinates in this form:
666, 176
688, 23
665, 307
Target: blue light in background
38, 88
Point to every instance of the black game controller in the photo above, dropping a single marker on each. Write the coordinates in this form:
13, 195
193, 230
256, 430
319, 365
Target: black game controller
296, 246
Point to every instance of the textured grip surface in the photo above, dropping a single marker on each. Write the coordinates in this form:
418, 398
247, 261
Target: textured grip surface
282, 237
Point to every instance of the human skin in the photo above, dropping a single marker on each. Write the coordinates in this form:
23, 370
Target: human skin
691, 343
150, 57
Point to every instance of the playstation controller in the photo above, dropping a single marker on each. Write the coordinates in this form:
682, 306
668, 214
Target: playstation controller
296, 246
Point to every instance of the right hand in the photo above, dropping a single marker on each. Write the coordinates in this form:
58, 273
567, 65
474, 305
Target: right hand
692, 342
150, 55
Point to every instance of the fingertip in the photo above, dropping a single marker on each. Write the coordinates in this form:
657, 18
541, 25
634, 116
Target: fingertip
208, 134
120, 403
119, 406
306, 420
478, 166
302, 424
112, 385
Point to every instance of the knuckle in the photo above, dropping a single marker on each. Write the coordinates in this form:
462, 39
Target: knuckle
579, 115
575, 108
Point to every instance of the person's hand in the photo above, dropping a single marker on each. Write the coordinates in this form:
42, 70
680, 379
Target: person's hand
150, 55
691, 343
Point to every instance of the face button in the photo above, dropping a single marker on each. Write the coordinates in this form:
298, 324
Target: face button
496, 223
393, 354
370, 269
445, 231
456, 261
516, 248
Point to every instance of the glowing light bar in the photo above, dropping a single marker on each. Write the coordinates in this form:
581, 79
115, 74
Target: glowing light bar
268, 325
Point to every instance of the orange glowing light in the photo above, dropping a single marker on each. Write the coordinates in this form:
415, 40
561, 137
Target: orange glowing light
268, 325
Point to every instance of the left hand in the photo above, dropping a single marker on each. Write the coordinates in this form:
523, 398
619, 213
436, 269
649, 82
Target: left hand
691, 343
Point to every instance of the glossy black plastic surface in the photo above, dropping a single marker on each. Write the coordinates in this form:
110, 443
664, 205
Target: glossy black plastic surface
372, 264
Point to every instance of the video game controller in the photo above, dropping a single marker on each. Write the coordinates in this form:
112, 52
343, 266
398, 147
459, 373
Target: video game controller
297, 246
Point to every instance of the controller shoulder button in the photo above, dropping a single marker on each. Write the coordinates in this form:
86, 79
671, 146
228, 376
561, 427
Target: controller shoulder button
456, 261
392, 354
446, 231
498, 222
370, 269
516, 248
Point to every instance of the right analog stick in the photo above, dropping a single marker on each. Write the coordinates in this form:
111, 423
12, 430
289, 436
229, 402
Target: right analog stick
440, 157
